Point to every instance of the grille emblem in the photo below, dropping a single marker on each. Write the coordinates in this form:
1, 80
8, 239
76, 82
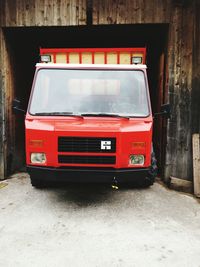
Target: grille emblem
105, 145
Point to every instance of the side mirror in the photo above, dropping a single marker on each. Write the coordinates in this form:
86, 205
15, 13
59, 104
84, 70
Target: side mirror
16, 107
165, 111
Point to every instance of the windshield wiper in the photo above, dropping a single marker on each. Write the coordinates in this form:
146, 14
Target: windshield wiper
104, 115
70, 114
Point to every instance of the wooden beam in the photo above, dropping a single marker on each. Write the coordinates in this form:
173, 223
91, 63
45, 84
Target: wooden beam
196, 163
180, 62
2, 111
6, 115
180, 185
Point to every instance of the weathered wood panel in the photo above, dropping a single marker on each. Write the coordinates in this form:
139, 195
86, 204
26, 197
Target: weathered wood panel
43, 12
129, 11
179, 141
2, 111
196, 71
6, 116
196, 163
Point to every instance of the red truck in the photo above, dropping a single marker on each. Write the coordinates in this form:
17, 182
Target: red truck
89, 118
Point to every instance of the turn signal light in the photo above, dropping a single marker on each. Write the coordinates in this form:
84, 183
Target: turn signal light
36, 143
139, 145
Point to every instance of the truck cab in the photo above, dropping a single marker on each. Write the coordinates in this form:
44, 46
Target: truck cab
89, 122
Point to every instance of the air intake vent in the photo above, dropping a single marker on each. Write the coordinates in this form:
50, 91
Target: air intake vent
86, 159
86, 144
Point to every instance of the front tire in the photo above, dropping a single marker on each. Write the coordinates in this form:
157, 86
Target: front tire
37, 182
152, 173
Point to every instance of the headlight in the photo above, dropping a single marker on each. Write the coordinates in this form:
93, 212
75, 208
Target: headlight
136, 159
38, 158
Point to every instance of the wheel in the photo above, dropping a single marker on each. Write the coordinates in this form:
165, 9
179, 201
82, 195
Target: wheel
153, 171
37, 182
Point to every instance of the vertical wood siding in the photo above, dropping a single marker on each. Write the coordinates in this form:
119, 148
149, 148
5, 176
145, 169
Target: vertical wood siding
196, 72
43, 12
179, 143
7, 122
129, 11
2, 89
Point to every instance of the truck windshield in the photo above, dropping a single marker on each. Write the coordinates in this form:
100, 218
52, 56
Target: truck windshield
76, 92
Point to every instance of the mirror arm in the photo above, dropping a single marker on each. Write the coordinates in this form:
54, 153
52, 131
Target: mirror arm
22, 110
19, 109
160, 113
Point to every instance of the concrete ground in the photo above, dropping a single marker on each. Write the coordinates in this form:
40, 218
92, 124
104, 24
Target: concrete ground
97, 226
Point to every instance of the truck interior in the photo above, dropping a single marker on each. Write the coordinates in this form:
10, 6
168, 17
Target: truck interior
23, 51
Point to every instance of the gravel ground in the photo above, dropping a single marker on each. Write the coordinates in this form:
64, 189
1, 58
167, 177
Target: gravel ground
76, 225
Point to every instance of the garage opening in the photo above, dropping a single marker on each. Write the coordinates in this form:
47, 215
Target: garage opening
23, 46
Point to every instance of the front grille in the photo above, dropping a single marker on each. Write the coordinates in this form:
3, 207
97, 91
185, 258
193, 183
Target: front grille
86, 159
86, 144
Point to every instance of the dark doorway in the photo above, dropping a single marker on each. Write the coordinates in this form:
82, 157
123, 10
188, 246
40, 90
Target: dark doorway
24, 44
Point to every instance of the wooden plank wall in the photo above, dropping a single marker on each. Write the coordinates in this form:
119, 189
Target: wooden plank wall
180, 53
7, 122
2, 88
2, 91
130, 12
43, 12
196, 163
196, 72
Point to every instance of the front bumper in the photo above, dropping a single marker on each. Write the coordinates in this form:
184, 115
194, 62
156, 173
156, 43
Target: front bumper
87, 175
